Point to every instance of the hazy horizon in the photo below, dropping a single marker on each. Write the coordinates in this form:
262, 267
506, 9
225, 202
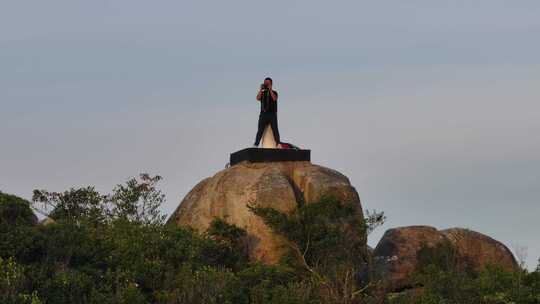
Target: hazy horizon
430, 108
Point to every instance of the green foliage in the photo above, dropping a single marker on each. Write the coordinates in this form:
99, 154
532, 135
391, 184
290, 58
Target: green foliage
17, 226
71, 205
374, 219
278, 284
232, 242
12, 280
205, 285
443, 256
225, 231
15, 211
327, 246
136, 201
444, 280
115, 248
327, 230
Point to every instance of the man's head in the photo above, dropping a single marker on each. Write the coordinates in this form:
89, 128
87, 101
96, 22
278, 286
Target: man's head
268, 82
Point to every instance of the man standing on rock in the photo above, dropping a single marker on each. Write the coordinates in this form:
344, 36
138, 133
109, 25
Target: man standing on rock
268, 116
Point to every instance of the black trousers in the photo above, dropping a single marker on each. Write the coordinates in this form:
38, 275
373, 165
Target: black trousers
264, 120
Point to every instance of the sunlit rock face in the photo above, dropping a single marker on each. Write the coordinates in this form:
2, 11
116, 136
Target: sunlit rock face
280, 185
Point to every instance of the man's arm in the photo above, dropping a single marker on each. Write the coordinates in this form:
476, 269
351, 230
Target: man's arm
273, 95
259, 95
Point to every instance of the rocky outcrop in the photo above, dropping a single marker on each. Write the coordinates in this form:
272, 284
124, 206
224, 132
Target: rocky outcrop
479, 249
396, 254
280, 185
46, 221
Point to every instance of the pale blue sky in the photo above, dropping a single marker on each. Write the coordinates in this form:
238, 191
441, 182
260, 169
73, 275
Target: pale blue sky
430, 107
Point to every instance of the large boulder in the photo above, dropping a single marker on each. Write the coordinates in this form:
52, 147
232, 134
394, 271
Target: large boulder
479, 249
280, 185
396, 254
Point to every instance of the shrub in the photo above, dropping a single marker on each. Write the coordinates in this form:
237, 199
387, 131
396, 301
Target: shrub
327, 246
15, 211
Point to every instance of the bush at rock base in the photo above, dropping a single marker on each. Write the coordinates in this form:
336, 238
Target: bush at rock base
111, 249
441, 279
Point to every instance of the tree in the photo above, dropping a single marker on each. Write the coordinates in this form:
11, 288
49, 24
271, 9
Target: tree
327, 242
12, 280
15, 211
138, 200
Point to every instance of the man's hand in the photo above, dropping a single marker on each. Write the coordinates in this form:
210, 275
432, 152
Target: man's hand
259, 95
272, 94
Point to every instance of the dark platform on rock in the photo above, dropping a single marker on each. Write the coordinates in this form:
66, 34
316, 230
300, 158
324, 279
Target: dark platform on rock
269, 155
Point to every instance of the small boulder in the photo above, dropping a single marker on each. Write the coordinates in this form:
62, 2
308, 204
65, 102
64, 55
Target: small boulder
396, 254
